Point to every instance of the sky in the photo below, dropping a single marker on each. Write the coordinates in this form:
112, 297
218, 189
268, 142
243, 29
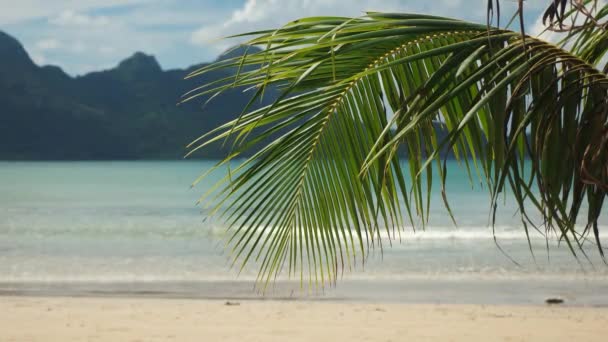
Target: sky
88, 35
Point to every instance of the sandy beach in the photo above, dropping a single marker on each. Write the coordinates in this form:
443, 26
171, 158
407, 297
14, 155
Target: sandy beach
149, 319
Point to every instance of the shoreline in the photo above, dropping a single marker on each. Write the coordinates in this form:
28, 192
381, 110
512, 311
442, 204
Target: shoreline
228, 300
575, 293
26, 318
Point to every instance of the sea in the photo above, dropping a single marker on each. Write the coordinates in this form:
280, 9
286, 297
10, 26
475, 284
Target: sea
133, 228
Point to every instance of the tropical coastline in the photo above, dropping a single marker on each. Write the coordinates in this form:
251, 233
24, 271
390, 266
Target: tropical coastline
70, 248
384, 177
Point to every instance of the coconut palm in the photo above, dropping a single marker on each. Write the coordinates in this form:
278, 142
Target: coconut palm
326, 180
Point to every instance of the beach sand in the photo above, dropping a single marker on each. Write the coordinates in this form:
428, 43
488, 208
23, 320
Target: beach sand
151, 319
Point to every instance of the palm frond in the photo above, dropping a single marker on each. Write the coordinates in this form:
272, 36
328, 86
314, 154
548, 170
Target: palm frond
355, 91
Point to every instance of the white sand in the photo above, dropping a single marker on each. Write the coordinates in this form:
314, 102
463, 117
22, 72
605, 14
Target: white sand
142, 319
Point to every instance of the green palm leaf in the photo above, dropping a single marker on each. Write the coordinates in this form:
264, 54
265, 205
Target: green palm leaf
318, 198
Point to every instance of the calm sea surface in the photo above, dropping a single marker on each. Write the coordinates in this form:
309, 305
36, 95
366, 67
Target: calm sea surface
133, 227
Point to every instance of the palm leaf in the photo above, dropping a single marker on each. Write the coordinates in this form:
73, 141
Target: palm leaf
331, 188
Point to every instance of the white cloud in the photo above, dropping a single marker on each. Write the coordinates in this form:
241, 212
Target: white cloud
48, 44
72, 18
265, 14
106, 50
79, 47
81, 34
21, 10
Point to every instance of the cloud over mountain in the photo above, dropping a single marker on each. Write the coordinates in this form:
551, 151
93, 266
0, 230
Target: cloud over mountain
83, 36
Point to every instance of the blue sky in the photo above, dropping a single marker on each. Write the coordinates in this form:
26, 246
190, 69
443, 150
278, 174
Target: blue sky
86, 35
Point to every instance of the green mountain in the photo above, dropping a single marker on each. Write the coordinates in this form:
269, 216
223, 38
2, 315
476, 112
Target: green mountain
128, 112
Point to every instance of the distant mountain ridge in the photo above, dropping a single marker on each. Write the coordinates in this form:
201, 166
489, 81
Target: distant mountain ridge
127, 112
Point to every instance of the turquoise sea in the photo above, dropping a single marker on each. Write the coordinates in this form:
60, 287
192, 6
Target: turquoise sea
132, 228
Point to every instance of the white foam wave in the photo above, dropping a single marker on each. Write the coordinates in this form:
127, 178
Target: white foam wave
474, 233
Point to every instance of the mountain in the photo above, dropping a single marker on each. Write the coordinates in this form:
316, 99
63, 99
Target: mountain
127, 112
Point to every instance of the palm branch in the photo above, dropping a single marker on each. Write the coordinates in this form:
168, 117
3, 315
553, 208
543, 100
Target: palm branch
319, 197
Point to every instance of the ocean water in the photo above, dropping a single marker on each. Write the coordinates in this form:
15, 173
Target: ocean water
113, 228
